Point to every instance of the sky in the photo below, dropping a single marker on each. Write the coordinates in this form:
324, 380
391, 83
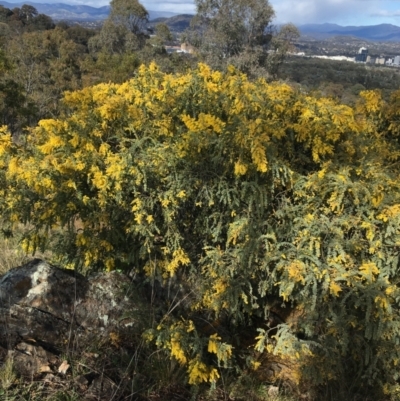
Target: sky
343, 12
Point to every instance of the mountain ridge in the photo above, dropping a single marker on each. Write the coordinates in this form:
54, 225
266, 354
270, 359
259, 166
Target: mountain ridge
64, 11
178, 22
380, 32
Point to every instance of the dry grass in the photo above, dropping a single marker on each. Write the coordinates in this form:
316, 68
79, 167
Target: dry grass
7, 375
11, 252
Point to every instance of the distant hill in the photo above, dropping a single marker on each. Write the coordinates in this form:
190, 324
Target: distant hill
62, 11
177, 23
382, 32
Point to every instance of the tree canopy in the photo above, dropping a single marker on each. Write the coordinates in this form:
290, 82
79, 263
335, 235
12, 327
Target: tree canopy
124, 30
236, 32
129, 13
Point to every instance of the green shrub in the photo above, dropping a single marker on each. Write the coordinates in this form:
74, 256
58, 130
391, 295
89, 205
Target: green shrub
235, 196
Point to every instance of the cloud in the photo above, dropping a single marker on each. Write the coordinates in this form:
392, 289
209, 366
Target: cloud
345, 12
386, 13
320, 11
175, 6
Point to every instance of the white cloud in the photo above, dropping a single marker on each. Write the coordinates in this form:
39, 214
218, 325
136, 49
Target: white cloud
320, 11
176, 6
386, 13
344, 12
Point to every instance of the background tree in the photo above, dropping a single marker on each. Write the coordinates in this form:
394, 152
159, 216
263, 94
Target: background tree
42, 22
123, 30
162, 35
79, 34
237, 32
105, 67
112, 39
15, 111
27, 13
26, 18
129, 13
5, 14
280, 45
46, 64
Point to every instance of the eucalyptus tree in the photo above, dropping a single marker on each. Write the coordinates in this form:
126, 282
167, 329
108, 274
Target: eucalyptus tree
129, 13
123, 30
238, 32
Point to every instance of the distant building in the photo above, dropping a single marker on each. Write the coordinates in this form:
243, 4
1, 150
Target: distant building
362, 55
380, 60
186, 48
173, 49
337, 58
396, 61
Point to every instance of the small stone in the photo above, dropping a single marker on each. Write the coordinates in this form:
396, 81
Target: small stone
45, 369
81, 382
63, 367
273, 391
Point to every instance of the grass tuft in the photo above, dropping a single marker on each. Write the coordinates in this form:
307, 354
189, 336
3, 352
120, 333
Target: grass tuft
7, 375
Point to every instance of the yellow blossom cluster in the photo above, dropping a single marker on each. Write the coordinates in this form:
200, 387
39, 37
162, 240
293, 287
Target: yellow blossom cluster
238, 191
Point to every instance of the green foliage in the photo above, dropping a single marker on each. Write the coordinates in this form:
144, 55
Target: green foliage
78, 34
113, 39
25, 19
129, 13
239, 33
44, 64
162, 36
16, 111
103, 67
124, 29
234, 196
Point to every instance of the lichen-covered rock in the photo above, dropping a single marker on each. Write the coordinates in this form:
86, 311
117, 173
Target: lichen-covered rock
46, 311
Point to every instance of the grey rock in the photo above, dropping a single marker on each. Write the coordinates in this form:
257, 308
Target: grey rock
46, 311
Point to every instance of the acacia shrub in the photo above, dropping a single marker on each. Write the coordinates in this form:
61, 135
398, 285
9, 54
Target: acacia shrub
237, 193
